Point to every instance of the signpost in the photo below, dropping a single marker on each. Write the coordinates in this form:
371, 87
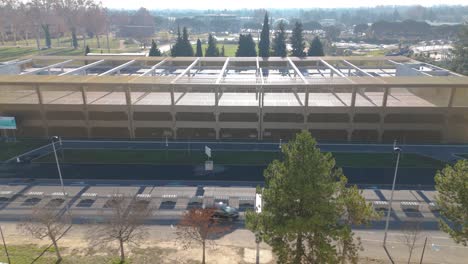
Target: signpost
209, 163
7, 123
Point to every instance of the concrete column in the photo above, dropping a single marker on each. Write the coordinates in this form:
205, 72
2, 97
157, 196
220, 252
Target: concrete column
42, 110
385, 96
445, 130
128, 97
85, 110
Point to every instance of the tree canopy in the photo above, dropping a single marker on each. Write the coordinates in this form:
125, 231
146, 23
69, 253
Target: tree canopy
316, 48
246, 47
297, 41
264, 44
460, 59
199, 51
279, 41
212, 49
154, 50
452, 185
182, 47
305, 200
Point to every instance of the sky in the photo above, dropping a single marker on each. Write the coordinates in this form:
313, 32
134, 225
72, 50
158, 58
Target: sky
253, 4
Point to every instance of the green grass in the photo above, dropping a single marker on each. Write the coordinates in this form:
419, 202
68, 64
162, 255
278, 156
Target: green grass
11, 53
12, 149
362, 160
66, 42
229, 49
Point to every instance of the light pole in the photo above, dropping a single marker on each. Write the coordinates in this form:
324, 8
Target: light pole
398, 151
54, 139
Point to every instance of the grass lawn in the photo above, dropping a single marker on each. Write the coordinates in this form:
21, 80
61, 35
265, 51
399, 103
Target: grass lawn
12, 149
66, 42
11, 53
364, 160
229, 49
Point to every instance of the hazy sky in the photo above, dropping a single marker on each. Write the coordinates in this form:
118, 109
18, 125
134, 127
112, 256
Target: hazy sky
238, 4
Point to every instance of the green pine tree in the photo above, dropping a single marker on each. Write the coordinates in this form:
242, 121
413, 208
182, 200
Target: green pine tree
246, 47
316, 48
307, 208
48, 41
74, 39
452, 185
154, 50
297, 41
199, 52
264, 44
222, 54
176, 48
279, 41
186, 49
212, 49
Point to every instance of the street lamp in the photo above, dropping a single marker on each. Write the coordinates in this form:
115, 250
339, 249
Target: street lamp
54, 140
398, 151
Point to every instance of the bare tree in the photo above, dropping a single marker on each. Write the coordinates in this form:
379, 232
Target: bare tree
47, 222
123, 223
198, 227
411, 236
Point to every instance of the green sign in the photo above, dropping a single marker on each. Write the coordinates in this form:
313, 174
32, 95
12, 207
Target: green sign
7, 122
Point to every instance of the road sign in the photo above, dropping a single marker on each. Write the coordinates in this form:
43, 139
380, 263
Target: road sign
7, 122
209, 165
208, 151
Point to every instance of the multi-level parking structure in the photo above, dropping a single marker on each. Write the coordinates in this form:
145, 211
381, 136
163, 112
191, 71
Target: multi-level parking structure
354, 99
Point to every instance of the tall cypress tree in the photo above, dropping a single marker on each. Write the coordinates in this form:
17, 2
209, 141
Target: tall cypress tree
187, 49
246, 46
316, 48
222, 54
175, 50
279, 41
48, 41
154, 51
297, 41
264, 44
212, 49
199, 52
74, 39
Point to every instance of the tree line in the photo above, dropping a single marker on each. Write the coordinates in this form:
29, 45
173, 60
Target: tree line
47, 19
267, 46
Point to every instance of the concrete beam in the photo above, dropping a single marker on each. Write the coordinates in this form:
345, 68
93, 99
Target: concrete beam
357, 68
186, 71
46, 68
118, 68
333, 69
153, 68
82, 68
297, 71
223, 71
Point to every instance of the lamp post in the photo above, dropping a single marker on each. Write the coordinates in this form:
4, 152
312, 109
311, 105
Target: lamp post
54, 139
398, 151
